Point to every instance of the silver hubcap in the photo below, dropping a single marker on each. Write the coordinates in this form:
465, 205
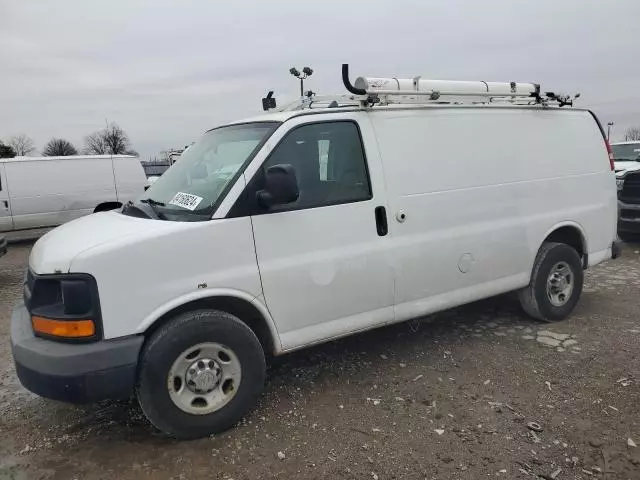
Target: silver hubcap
204, 378
560, 284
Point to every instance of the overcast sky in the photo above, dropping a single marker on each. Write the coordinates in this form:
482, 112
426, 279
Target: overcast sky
167, 70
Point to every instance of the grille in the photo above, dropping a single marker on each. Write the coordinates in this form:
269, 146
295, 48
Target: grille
627, 213
630, 192
28, 288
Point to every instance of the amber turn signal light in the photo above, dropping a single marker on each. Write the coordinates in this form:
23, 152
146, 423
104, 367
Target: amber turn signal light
63, 328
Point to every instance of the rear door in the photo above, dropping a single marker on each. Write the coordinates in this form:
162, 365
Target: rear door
323, 259
6, 222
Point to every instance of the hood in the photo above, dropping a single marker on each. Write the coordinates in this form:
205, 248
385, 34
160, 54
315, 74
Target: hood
624, 166
54, 252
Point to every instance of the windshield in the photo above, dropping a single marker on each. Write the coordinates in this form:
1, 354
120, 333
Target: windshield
626, 151
194, 185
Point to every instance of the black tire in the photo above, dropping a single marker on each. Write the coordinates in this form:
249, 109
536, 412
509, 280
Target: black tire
534, 299
169, 342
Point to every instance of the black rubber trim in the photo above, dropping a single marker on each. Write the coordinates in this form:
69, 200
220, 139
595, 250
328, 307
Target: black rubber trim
111, 384
597, 120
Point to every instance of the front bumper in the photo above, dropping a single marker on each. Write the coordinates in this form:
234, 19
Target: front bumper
628, 217
73, 372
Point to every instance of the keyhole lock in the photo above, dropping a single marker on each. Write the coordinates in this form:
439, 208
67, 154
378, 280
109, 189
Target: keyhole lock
401, 216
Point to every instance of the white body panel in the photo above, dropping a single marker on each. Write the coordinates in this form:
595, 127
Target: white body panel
49, 191
480, 189
480, 193
144, 267
624, 166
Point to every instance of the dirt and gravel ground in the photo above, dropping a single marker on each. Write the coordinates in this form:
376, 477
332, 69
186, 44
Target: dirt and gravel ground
447, 397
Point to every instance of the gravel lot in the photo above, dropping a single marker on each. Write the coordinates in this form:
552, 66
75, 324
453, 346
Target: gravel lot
447, 397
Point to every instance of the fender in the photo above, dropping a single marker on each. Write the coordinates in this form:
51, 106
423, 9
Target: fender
565, 223
213, 293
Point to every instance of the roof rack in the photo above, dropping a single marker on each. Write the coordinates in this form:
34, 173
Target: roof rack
371, 91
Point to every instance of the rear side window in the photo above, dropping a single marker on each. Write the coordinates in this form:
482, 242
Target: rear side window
329, 161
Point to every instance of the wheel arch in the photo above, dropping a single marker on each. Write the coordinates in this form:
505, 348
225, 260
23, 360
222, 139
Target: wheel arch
249, 309
106, 206
572, 234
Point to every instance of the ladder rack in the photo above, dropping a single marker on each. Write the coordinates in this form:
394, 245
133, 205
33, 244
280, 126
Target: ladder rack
345, 101
372, 91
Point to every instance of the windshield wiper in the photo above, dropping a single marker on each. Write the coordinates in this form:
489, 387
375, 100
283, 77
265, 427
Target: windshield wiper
131, 206
153, 204
151, 201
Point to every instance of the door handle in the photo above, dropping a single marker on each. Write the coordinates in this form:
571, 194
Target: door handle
381, 221
6, 204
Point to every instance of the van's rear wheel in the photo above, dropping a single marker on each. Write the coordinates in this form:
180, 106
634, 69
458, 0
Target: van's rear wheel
200, 374
556, 283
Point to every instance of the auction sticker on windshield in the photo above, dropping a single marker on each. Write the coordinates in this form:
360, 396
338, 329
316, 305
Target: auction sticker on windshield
186, 200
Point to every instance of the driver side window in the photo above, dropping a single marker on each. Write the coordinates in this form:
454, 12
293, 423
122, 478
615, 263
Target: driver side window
330, 165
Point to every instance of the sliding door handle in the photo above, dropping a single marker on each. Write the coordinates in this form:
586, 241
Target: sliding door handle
381, 221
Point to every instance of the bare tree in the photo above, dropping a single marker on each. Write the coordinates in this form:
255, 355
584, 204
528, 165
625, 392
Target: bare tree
6, 151
59, 147
111, 140
22, 144
632, 133
94, 144
116, 139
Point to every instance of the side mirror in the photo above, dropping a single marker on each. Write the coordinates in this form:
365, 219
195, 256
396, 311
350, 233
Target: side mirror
281, 186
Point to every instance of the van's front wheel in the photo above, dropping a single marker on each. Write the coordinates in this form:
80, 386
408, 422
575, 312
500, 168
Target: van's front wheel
200, 373
556, 283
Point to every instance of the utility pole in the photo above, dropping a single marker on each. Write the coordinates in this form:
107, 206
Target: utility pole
306, 73
609, 125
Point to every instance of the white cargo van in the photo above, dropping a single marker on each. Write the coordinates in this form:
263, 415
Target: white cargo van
38, 192
330, 217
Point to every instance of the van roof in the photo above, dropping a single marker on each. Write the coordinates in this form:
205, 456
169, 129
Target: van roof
69, 157
286, 115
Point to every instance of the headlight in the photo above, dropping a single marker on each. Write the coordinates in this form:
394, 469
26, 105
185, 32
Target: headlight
620, 183
64, 306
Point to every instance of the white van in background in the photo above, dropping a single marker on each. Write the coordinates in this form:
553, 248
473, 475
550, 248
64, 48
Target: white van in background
38, 192
308, 224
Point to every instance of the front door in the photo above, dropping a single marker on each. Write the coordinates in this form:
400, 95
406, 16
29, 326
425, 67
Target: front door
6, 221
323, 259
